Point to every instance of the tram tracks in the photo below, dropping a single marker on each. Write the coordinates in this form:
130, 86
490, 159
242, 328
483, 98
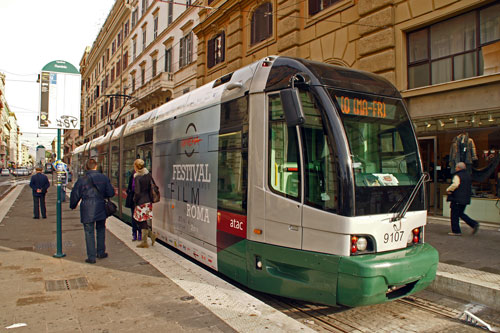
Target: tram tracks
401, 314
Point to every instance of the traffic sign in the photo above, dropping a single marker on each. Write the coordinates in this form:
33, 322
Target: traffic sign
60, 95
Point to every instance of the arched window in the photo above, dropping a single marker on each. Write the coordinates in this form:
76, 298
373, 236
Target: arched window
262, 23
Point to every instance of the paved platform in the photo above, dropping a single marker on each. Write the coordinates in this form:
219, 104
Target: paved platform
154, 289
469, 265
132, 290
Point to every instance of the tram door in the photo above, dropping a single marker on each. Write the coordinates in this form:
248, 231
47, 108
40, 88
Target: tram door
283, 200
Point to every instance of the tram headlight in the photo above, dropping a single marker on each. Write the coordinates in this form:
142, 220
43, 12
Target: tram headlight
362, 243
410, 238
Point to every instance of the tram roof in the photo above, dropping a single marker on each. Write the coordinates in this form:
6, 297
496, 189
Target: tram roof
140, 123
101, 140
81, 148
284, 68
117, 132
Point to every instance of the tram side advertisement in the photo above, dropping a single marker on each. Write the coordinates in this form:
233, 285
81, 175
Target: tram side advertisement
189, 171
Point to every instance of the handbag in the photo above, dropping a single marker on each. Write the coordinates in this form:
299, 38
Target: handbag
154, 192
109, 206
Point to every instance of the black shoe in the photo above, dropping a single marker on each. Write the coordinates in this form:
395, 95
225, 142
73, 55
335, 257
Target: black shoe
44, 217
90, 261
102, 256
36, 218
475, 230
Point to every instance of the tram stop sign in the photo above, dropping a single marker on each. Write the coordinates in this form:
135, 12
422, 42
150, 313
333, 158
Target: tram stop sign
60, 84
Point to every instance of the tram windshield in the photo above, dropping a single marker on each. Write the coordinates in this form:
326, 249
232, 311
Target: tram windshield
383, 149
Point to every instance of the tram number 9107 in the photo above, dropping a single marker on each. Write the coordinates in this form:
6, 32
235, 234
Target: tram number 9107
393, 237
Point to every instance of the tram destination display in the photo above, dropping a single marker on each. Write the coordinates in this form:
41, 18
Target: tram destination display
363, 105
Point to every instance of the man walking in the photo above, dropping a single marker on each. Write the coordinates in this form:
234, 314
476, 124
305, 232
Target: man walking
39, 183
92, 189
459, 193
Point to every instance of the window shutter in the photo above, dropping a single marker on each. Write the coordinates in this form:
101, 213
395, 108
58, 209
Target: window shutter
211, 53
223, 47
181, 52
190, 52
314, 6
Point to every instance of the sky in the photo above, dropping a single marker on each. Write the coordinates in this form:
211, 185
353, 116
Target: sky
35, 33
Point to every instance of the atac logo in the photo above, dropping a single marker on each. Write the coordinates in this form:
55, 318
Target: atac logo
190, 144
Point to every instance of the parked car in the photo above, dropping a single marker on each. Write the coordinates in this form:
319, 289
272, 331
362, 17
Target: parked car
21, 172
5, 172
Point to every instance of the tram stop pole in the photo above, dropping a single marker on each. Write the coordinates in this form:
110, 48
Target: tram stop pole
60, 84
59, 253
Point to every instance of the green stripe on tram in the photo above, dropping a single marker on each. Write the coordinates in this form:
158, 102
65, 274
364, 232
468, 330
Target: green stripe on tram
329, 279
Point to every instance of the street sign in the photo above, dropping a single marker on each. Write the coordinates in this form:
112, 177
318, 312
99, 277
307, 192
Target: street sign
60, 95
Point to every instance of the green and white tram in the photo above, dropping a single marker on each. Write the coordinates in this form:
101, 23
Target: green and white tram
292, 177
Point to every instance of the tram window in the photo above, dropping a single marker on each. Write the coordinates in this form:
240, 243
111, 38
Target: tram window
232, 172
103, 163
128, 163
145, 154
284, 168
115, 163
232, 181
115, 167
320, 173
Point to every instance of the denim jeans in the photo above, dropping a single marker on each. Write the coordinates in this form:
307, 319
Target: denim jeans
90, 238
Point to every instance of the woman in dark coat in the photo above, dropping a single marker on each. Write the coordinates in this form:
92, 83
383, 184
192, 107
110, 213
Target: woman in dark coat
129, 203
143, 211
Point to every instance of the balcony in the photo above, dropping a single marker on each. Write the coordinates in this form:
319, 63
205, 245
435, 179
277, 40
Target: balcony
156, 88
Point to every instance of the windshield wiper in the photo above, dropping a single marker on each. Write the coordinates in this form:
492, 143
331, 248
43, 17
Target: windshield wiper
402, 212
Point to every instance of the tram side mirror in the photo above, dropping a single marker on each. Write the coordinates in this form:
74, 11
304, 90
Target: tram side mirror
292, 108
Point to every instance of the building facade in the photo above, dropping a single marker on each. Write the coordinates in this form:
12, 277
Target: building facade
443, 56
144, 55
14, 157
4, 124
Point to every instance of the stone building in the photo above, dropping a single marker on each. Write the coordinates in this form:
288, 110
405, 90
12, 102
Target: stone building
4, 126
144, 55
443, 55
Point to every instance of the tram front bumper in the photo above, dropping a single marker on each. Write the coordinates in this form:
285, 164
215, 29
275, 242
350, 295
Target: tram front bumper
378, 278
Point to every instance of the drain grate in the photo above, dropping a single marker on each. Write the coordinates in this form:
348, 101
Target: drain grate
27, 248
58, 285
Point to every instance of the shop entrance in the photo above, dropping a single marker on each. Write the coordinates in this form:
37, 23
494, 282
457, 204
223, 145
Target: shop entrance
428, 153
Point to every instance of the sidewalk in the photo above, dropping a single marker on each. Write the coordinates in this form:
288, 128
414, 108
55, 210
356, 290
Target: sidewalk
155, 289
469, 265
132, 290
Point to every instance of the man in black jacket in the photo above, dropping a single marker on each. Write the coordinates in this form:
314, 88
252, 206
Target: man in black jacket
92, 189
39, 183
459, 193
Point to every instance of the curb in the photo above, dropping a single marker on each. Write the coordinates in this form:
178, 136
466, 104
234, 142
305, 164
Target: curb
468, 285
